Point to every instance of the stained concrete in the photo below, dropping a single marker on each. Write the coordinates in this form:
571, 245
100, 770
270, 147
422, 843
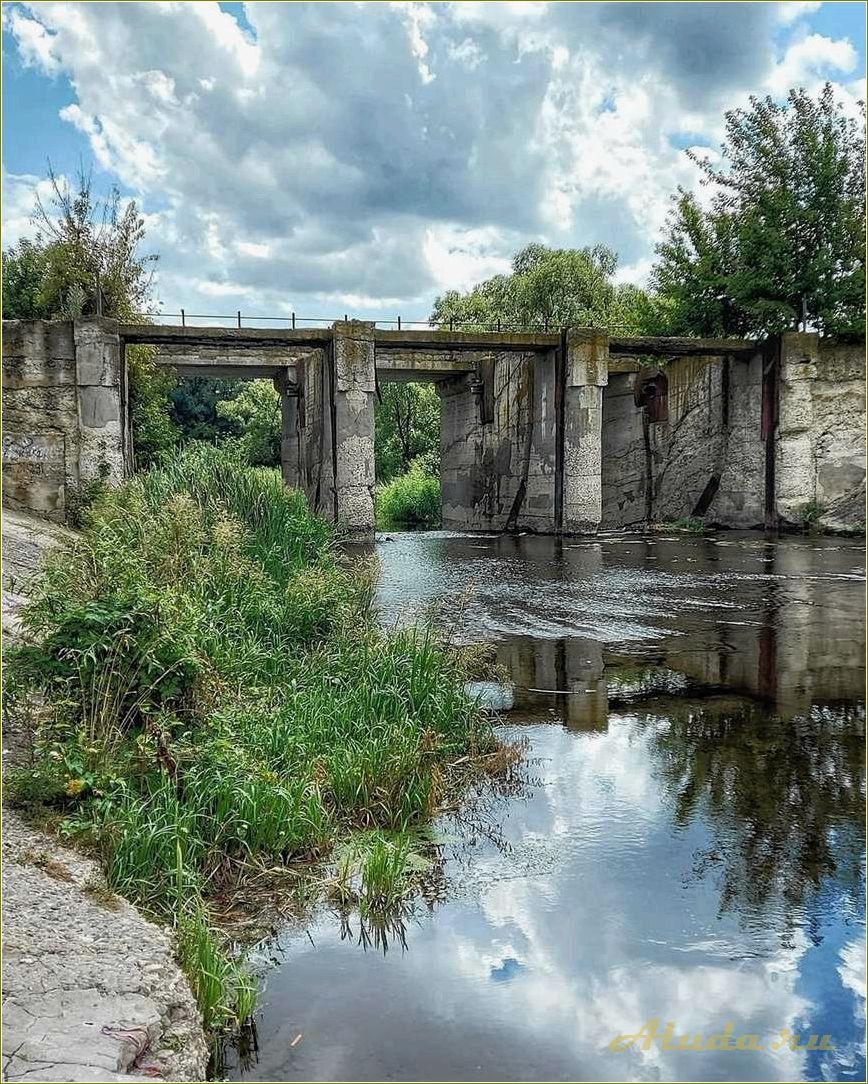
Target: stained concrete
90, 989
540, 432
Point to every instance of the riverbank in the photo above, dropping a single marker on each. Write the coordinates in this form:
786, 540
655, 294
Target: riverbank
91, 989
217, 702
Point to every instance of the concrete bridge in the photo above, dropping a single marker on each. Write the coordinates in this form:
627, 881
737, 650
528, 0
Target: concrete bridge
557, 432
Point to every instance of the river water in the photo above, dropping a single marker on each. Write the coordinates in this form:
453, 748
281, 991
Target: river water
686, 843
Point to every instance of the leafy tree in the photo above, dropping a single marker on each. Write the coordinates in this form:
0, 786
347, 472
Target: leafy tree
782, 242
195, 407
24, 269
550, 288
407, 421
81, 245
253, 414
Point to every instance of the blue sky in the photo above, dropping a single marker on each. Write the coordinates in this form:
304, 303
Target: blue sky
337, 157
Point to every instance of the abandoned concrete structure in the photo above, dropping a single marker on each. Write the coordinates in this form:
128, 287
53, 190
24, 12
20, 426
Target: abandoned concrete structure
557, 433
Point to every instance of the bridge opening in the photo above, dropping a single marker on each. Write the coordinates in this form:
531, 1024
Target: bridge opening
407, 438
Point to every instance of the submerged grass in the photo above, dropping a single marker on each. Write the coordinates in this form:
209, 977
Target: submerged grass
218, 699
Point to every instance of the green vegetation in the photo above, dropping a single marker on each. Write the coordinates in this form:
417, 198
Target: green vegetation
216, 700
410, 500
407, 426
782, 242
551, 288
691, 524
810, 514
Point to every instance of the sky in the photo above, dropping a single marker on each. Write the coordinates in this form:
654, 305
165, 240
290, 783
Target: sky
362, 158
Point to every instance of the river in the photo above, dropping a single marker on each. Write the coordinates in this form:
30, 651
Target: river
686, 843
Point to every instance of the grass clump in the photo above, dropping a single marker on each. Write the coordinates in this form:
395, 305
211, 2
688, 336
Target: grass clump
216, 699
411, 500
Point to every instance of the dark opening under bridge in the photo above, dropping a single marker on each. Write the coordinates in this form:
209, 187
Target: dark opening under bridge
556, 432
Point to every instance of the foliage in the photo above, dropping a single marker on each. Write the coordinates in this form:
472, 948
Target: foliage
550, 288
155, 433
217, 697
254, 416
407, 424
409, 500
782, 241
80, 241
25, 266
196, 410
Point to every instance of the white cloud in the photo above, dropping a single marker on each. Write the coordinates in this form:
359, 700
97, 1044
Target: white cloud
807, 61
383, 153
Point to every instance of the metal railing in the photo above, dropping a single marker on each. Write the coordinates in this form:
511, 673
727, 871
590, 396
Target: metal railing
182, 318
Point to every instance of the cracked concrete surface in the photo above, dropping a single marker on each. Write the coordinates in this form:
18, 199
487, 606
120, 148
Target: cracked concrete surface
91, 989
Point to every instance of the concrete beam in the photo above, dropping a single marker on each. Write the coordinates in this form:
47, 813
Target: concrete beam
524, 342
673, 347
164, 334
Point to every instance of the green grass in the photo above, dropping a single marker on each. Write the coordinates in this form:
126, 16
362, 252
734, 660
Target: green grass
217, 700
410, 500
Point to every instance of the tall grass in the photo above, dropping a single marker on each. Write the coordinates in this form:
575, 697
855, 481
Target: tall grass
218, 698
410, 500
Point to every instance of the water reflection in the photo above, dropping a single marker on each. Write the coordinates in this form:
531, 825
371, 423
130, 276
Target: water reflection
686, 844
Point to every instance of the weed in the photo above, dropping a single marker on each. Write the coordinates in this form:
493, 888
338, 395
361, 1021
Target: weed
690, 524
810, 515
219, 701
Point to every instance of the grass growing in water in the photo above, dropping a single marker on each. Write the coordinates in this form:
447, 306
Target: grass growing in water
218, 698
410, 500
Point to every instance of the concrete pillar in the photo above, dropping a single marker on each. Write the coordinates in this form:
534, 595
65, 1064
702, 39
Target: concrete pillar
289, 437
98, 388
586, 373
795, 461
353, 390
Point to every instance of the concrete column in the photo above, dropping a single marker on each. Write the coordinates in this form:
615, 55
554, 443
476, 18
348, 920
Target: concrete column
98, 387
795, 461
353, 391
586, 373
289, 439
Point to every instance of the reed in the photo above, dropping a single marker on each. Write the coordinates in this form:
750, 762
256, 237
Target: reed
219, 699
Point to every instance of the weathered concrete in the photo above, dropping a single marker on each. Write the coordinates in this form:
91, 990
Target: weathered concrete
62, 419
90, 989
556, 432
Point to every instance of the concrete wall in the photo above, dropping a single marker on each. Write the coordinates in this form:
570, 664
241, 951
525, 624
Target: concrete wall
62, 419
708, 448
540, 433
336, 397
838, 400
500, 473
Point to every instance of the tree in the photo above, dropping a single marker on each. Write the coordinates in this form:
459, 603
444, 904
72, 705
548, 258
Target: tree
407, 421
782, 241
253, 415
24, 269
83, 247
550, 288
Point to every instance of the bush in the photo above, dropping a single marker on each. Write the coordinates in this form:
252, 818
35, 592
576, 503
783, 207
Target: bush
218, 697
410, 500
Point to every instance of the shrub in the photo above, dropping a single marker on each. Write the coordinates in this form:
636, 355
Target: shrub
217, 697
410, 500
